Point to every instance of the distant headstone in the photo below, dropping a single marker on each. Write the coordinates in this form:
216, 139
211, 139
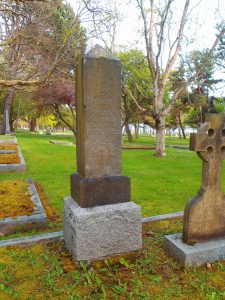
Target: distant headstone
58, 142
48, 131
99, 219
203, 237
7, 125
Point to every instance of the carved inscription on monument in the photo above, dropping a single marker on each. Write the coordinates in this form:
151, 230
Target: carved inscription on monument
100, 104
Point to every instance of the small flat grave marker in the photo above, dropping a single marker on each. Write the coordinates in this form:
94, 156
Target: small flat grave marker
57, 142
12, 167
36, 220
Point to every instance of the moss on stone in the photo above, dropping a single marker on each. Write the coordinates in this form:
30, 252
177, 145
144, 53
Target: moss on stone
15, 199
9, 158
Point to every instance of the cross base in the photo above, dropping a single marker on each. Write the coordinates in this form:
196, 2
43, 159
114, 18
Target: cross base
197, 255
204, 217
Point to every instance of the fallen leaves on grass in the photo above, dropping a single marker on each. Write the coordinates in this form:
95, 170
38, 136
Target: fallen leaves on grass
9, 158
15, 200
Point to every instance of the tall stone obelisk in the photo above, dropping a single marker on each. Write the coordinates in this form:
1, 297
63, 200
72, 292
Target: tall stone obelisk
99, 219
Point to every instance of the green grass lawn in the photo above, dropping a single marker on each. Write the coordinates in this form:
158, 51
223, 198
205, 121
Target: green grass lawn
6, 137
46, 271
158, 185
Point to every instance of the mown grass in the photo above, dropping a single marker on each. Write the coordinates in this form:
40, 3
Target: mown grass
48, 272
6, 137
158, 185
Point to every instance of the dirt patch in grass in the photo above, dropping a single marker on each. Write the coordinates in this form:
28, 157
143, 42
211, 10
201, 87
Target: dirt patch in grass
47, 271
15, 199
9, 158
51, 214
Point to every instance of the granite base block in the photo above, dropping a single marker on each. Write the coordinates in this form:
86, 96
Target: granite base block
196, 255
90, 192
98, 232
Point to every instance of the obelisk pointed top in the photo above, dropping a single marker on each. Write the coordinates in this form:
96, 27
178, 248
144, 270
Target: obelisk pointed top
98, 51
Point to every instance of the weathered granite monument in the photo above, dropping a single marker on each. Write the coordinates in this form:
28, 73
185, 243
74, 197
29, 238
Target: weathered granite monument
99, 219
204, 216
7, 126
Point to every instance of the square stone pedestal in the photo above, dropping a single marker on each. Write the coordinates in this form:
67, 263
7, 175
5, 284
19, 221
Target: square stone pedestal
93, 233
196, 255
90, 192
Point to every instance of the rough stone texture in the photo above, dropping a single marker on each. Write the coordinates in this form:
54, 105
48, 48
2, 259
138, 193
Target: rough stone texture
90, 192
7, 126
98, 95
40, 238
4, 168
92, 233
98, 51
196, 255
37, 220
204, 215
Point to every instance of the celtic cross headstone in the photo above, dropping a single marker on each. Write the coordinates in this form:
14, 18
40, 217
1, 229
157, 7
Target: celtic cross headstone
204, 216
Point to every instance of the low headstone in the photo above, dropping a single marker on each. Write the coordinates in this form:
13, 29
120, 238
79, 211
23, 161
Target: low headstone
38, 219
8, 141
61, 143
20, 167
204, 215
48, 131
99, 219
7, 151
7, 126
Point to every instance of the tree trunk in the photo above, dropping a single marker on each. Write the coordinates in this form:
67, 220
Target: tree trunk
11, 124
73, 129
129, 135
8, 106
181, 127
17, 117
33, 124
160, 137
136, 126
